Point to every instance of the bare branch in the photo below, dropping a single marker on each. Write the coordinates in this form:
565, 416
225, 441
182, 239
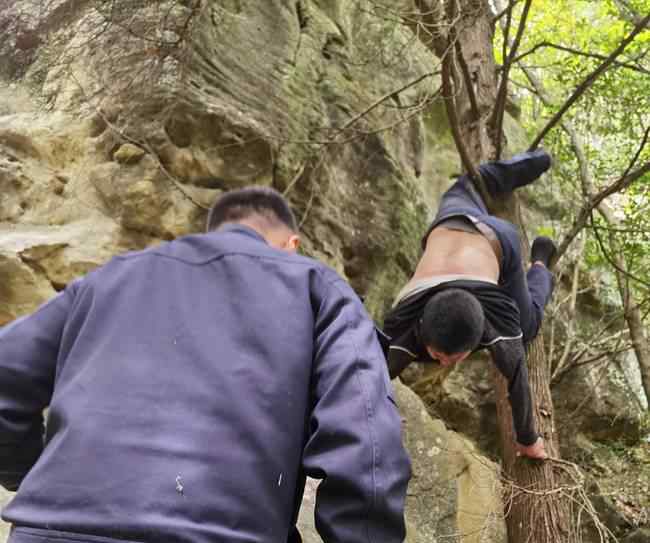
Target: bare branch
627, 11
506, 11
426, 25
499, 108
577, 52
467, 77
636, 156
571, 312
506, 35
450, 105
588, 82
385, 97
593, 202
612, 261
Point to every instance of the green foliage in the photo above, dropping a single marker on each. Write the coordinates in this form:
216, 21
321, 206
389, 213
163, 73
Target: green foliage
547, 231
566, 40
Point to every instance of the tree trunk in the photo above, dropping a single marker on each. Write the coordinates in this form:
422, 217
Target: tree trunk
535, 510
632, 313
641, 347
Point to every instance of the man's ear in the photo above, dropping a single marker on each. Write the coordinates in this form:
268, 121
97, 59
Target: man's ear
293, 243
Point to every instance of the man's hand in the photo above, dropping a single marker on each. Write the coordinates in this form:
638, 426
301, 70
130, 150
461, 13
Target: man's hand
535, 451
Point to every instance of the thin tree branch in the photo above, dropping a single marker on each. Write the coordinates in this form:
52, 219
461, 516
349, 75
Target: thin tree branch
506, 35
588, 82
612, 261
593, 202
636, 156
450, 101
464, 68
450, 106
618, 349
627, 11
579, 53
571, 312
619, 230
428, 20
385, 97
506, 11
499, 108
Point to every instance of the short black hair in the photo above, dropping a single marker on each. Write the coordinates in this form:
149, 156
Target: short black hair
452, 321
239, 204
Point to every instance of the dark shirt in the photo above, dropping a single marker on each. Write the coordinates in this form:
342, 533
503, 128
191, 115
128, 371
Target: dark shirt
191, 387
502, 336
530, 290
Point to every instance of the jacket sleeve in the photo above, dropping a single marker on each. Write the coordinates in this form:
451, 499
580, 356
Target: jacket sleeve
510, 359
28, 353
402, 352
354, 435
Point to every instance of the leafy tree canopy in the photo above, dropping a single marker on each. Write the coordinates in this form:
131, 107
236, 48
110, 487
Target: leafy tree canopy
564, 41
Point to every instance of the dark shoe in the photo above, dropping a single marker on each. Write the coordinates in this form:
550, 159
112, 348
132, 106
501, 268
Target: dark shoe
543, 249
503, 176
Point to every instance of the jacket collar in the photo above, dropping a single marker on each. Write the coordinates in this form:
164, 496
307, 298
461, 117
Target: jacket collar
241, 229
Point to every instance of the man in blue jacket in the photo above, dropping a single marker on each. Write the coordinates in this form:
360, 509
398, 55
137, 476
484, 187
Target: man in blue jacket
192, 386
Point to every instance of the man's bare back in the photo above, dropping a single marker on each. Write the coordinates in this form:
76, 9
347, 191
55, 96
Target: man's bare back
455, 252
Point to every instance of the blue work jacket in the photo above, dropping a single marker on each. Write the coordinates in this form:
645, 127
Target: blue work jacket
191, 387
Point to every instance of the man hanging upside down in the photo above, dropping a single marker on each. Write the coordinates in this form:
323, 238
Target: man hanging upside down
469, 290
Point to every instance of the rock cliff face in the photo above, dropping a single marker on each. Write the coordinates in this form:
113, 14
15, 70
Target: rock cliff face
128, 144
118, 128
